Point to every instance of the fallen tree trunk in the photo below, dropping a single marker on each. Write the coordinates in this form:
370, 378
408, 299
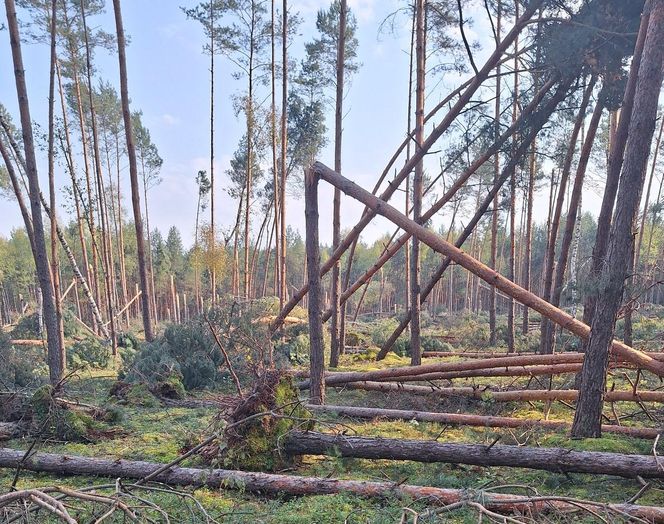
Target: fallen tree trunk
484, 421
557, 460
440, 245
525, 395
512, 371
27, 342
266, 483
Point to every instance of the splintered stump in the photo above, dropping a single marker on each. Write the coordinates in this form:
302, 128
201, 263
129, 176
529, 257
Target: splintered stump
273, 484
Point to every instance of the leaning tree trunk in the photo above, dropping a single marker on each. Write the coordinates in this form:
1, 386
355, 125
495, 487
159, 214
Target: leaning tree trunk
550, 255
548, 335
493, 256
133, 174
587, 418
55, 350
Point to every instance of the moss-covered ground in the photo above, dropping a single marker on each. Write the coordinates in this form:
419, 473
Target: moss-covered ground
160, 434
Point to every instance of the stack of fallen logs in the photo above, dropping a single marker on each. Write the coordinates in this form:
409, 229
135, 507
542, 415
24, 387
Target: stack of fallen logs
401, 378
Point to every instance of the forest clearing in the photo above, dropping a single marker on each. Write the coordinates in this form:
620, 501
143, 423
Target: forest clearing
447, 307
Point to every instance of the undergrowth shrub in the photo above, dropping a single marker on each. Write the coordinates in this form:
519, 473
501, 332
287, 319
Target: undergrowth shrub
27, 326
50, 419
89, 353
21, 366
190, 352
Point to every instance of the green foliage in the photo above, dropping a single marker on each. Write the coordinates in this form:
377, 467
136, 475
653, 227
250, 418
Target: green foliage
89, 353
138, 394
587, 43
430, 343
190, 351
380, 330
296, 350
27, 327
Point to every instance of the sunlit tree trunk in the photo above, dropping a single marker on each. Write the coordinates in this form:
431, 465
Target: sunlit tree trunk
55, 351
133, 174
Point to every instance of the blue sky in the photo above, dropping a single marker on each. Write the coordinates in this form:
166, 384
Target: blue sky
169, 82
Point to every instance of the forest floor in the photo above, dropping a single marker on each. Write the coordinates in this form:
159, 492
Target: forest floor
160, 434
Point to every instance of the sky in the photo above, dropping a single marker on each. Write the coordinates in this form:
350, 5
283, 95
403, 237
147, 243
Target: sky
169, 81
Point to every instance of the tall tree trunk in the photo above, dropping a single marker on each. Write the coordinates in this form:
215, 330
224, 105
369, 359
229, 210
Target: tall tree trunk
55, 263
133, 174
250, 153
496, 173
213, 272
587, 418
338, 341
275, 174
283, 288
415, 262
55, 358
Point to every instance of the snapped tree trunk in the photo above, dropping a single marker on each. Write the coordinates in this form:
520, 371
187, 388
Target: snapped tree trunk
317, 349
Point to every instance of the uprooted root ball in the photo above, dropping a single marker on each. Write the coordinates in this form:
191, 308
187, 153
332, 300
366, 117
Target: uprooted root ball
253, 430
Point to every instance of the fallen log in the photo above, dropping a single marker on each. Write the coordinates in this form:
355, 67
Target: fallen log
461, 419
557, 460
266, 483
27, 342
485, 393
521, 295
